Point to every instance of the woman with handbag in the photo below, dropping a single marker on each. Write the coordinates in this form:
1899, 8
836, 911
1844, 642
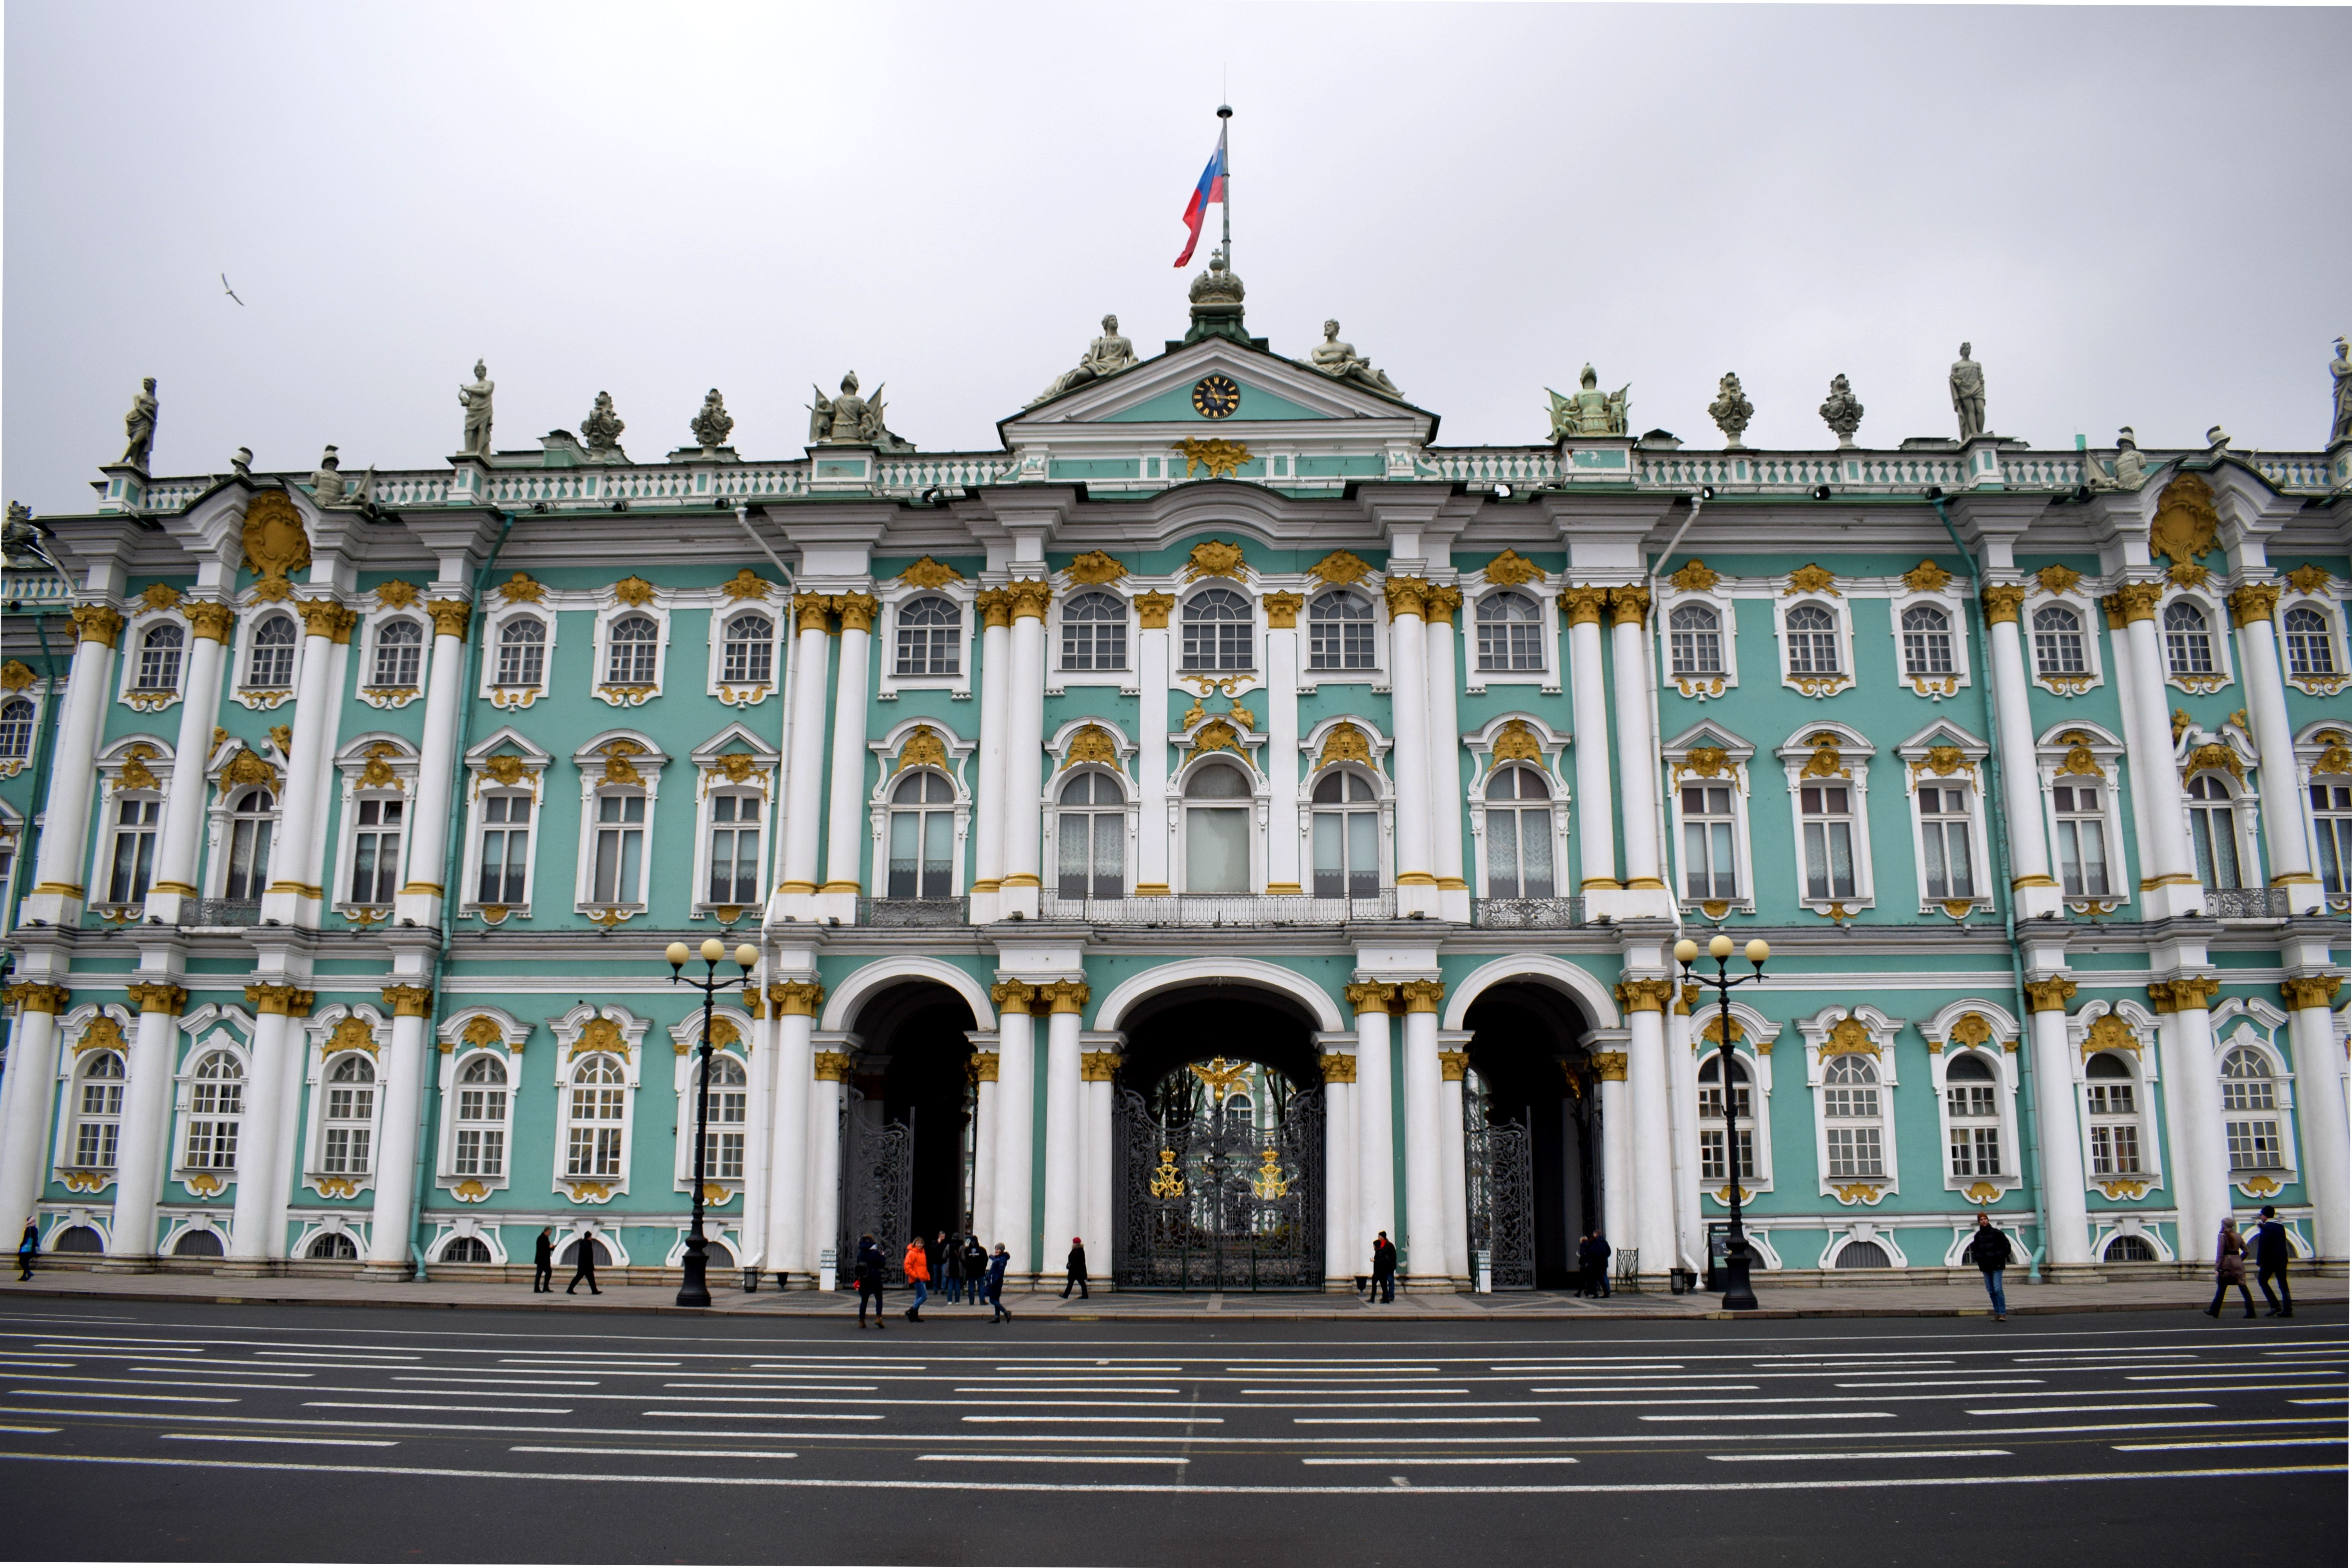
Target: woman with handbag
2230, 1269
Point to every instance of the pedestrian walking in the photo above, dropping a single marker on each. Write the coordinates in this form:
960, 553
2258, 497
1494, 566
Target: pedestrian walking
997, 1265
2230, 1269
27, 1250
542, 1261
917, 1264
1601, 1253
1384, 1262
1988, 1250
583, 1271
950, 1268
2270, 1252
871, 1266
1587, 1279
1077, 1265
975, 1265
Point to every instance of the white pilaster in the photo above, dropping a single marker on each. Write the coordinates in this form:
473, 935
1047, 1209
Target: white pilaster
794, 1239
1616, 1151
1100, 1168
257, 1227
58, 895
2168, 885
1651, 1200
821, 1195
31, 1084
1375, 1121
1282, 759
1596, 817
1151, 743
1024, 745
2251, 607
1454, 1176
421, 894
1424, 1176
759, 1140
995, 692
1065, 1136
845, 807
1444, 736
1346, 1244
1416, 883
984, 1094
2319, 1110
2058, 1125
174, 886
289, 900
403, 1102
804, 769
141, 1142
2199, 1167
1682, 1111
1637, 752
2035, 891
1015, 1124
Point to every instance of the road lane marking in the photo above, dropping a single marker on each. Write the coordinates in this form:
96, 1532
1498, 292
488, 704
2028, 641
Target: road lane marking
234, 1369
1415, 1421
42, 1429
667, 1453
501, 1382
785, 1387
101, 1393
389, 1356
1326, 1393
265, 1437
1111, 1420
451, 1409
1056, 1459
2314, 1402
1866, 1453
1418, 1461
2232, 1443
1950, 1382
1786, 1415
762, 1415
2081, 1409
1066, 1388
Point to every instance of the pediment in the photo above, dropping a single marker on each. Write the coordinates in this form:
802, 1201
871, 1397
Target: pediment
1159, 394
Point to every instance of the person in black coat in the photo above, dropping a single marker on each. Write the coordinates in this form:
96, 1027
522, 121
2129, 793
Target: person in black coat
583, 1270
30, 1248
947, 1267
1077, 1265
1989, 1251
975, 1266
542, 1261
1601, 1251
872, 1267
1384, 1262
1586, 1282
996, 1267
2270, 1252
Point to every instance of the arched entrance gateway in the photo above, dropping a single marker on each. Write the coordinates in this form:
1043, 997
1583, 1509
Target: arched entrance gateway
906, 1121
1532, 1127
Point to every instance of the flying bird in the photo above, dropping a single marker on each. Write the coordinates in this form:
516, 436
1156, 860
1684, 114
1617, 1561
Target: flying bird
226, 290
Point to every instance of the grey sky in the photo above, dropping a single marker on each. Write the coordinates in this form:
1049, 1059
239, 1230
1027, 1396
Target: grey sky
2138, 217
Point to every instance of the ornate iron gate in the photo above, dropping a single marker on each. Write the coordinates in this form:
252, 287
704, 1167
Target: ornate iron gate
1216, 1203
1498, 1159
878, 1185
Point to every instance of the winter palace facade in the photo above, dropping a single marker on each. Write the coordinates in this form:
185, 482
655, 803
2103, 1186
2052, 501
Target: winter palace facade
1222, 824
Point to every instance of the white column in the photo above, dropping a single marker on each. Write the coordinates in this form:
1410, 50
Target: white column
821, 1197
2058, 1126
1616, 1151
1445, 741
1151, 742
1637, 751
1424, 1178
2319, 1110
794, 1241
2251, 607
2200, 1152
140, 1143
1652, 1165
303, 809
1416, 884
1065, 1137
1375, 1123
59, 894
421, 894
995, 689
2034, 890
845, 820
804, 769
31, 1088
1454, 1177
1281, 758
404, 1102
759, 1140
1097, 1171
1015, 1124
209, 625
1346, 1244
256, 1226
983, 1138
1596, 818
2134, 780
1682, 1112
2170, 885
1024, 743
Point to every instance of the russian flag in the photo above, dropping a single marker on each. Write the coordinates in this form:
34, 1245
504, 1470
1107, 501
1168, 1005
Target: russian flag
1212, 188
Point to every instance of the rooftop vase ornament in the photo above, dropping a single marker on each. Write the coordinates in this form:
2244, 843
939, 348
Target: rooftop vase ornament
1842, 412
1731, 411
139, 426
603, 429
694, 1289
1968, 394
475, 399
1739, 1296
713, 423
1107, 355
1340, 361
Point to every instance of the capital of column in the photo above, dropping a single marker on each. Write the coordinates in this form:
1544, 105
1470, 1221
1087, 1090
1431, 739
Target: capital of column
160, 996
1338, 1066
796, 998
33, 997
1628, 605
1584, 605
1099, 1067
1644, 995
2189, 994
1371, 996
830, 1066
982, 1067
2132, 602
326, 618
1686, 999
408, 1000
2254, 602
287, 1000
2049, 996
210, 619
1453, 1064
1066, 996
1030, 596
97, 623
2310, 991
1439, 603
995, 607
1423, 996
1013, 996
856, 611
2002, 601
451, 617
1151, 610
1407, 597
812, 611
1610, 1065
1282, 610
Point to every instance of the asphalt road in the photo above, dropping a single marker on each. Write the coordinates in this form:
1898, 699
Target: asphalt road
179, 1431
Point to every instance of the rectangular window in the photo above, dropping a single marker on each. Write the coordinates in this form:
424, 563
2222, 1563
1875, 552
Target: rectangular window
347, 1152
94, 1143
2112, 1099
1710, 1155
2331, 812
481, 1151
1944, 833
506, 848
1709, 871
212, 1146
2082, 841
1829, 841
375, 852
1969, 1100
2255, 1146
1855, 1151
159, 663
734, 849
2115, 1152
620, 840
1975, 1150
134, 850
1092, 855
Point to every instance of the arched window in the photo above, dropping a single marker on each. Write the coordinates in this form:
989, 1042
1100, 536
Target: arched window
350, 1124
506, 848
215, 1108
482, 1118
1694, 640
1710, 1119
159, 659
197, 1244
522, 652
730, 1096
1347, 837
465, 1250
599, 1112
251, 820
1850, 1104
633, 652
2128, 1249
748, 650
1094, 632
332, 1245
1339, 631
136, 817
271, 665
1090, 838
375, 849
1972, 1112
1518, 835
399, 653
2188, 641
2058, 642
620, 846
1218, 627
2213, 829
1927, 641
1510, 632
1862, 1255
1240, 1116
2331, 815
97, 1111
2111, 1094
16, 730
1812, 640
734, 849
76, 1238
1946, 841
1217, 831
922, 837
930, 631
2309, 650
2250, 1098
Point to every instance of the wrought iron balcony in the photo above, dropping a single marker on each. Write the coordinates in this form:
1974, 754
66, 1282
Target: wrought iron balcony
1526, 914
1221, 910
239, 913
2249, 904
913, 911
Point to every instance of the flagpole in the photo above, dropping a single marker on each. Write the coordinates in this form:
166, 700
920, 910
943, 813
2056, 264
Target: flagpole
1225, 122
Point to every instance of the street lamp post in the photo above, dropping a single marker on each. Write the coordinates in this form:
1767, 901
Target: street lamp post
1737, 1297
694, 1289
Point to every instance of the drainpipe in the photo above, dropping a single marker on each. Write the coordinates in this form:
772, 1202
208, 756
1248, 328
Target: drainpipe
2027, 1109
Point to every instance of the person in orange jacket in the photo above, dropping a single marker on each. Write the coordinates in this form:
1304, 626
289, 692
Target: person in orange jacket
919, 1274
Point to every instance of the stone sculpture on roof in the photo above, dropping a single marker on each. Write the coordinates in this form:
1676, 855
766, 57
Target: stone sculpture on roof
2340, 427
712, 424
475, 399
327, 481
1968, 394
139, 426
1731, 411
1107, 355
602, 428
1340, 361
852, 420
1842, 412
1590, 411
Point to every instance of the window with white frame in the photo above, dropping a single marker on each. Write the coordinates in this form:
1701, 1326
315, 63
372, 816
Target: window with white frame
481, 1143
159, 650
522, 653
2310, 649
1518, 835
1090, 838
1711, 1164
1947, 841
746, 655
1339, 630
930, 636
1694, 640
2059, 648
1710, 866
2214, 832
1851, 1109
98, 1111
2250, 1106
1510, 632
1217, 806
2187, 639
2111, 1098
1219, 631
270, 659
1825, 820
137, 821
922, 837
2331, 819
252, 819
505, 858
730, 1099
347, 1127
633, 651
1345, 812
1972, 1115
375, 848
16, 730
735, 828
1927, 641
1812, 634
597, 1118
2081, 840
617, 847
216, 1111
399, 655
1094, 632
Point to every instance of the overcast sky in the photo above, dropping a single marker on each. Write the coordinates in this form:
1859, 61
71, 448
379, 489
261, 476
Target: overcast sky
2138, 217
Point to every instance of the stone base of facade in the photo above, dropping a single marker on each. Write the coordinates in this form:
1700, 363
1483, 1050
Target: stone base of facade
251, 1269
387, 1271
124, 1263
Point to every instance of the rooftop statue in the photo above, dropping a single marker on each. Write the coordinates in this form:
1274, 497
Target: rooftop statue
2131, 469
326, 483
1107, 355
1340, 361
475, 399
1968, 394
1730, 411
1216, 286
139, 426
242, 462
2340, 427
852, 420
1841, 412
603, 429
1591, 412
711, 426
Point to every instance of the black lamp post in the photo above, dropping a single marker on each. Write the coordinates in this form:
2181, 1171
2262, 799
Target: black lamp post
693, 1290
1737, 1297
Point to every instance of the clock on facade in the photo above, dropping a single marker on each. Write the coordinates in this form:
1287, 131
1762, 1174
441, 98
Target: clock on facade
1216, 396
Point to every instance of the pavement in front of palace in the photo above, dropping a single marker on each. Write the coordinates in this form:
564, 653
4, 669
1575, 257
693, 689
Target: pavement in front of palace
187, 1429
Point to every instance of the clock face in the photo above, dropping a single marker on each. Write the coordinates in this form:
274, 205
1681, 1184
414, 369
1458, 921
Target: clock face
1216, 396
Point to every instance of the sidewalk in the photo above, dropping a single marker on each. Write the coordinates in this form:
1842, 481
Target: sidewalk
1143, 1306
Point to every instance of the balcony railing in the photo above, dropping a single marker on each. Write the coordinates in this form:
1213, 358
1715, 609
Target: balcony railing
913, 911
237, 912
2248, 903
1221, 910
1526, 914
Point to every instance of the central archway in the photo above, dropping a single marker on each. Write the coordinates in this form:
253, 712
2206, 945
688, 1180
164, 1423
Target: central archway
905, 1121
1530, 1068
